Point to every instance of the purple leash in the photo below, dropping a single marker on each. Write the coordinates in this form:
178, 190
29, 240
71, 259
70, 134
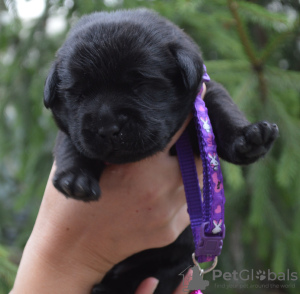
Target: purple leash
207, 212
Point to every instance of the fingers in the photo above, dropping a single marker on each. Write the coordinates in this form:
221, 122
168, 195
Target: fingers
204, 91
183, 285
178, 134
148, 286
185, 124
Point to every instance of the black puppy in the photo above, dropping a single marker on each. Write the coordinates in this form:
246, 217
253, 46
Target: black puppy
121, 86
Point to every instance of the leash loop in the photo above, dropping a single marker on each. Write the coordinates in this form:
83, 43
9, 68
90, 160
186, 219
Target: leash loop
207, 270
207, 215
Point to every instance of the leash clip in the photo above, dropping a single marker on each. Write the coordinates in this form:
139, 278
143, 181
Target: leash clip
205, 271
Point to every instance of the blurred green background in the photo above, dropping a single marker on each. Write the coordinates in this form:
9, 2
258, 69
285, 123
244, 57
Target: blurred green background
252, 47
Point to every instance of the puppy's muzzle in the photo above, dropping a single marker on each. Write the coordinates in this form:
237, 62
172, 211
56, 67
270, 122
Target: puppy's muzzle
110, 131
110, 123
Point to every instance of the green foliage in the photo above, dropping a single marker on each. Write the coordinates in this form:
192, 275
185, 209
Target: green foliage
259, 15
250, 49
8, 271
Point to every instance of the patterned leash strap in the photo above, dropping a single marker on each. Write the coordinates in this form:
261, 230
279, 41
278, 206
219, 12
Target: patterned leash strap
207, 212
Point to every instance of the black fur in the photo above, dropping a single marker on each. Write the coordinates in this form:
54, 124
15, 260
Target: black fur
121, 86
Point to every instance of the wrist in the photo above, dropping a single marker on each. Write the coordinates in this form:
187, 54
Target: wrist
45, 270
58, 261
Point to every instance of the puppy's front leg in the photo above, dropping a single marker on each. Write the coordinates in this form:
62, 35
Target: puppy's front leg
76, 176
238, 141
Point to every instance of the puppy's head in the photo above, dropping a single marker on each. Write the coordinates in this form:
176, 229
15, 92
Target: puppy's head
123, 83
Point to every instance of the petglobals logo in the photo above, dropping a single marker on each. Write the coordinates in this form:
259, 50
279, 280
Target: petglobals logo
253, 275
254, 279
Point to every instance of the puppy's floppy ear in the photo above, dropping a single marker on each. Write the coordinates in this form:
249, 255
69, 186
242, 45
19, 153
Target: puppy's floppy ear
50, 89
190, 64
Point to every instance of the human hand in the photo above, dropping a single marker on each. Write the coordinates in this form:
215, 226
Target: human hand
74, 244
149, 285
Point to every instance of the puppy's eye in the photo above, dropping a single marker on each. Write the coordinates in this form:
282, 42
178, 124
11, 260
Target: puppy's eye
73, 93
138, 88
78, 97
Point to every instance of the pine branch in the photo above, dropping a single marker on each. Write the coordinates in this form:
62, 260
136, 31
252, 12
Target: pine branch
273, 45
256, 63
259, 14
249, 50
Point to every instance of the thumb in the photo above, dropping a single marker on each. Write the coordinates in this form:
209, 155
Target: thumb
183, 127
178, 134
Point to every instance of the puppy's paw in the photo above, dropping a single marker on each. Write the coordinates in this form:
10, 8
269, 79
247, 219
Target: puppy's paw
77, 184
255, 142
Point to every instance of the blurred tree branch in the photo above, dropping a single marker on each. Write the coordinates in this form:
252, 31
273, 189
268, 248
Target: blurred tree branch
243, 49
257, 63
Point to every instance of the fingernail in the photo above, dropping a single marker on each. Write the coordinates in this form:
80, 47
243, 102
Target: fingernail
154, 284
148, 286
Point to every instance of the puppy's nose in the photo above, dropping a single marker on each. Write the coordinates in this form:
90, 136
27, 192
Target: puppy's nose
109, 132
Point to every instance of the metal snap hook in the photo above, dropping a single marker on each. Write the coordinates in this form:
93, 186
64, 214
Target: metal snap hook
205, 271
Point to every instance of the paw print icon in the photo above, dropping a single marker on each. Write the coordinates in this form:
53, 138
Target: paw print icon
261, 275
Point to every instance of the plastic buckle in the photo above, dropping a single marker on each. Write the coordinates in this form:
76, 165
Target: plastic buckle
209, 244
